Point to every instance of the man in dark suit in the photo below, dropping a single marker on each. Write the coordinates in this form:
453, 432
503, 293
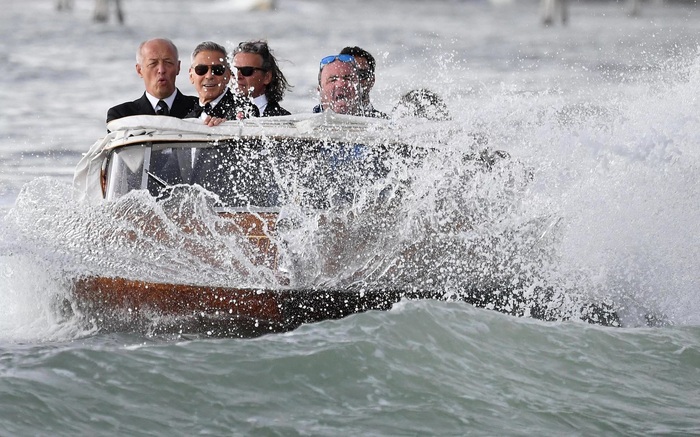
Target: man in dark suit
157, 63
210, 74
259, 76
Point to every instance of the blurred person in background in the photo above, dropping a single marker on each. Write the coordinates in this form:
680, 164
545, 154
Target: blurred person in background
421, 103
101, 14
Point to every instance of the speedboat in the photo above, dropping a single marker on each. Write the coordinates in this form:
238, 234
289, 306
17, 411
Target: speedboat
251, 171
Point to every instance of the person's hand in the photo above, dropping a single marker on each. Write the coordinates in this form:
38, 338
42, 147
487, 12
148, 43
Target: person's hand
213, 121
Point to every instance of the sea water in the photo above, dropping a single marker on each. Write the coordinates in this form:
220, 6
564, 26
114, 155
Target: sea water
598, 118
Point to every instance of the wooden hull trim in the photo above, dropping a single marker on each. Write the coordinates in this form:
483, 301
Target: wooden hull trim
117, 304
127, 305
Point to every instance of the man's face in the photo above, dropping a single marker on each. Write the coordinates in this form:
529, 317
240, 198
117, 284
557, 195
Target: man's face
158, 67
366, 76
339, 88
255, 84
204, 77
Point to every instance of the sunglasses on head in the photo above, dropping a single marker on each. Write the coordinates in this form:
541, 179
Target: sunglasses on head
217, 69
342, 58
248, 71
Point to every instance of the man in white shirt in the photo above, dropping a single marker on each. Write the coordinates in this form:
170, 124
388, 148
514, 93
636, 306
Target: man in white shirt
258, 75
210, 74
157, 63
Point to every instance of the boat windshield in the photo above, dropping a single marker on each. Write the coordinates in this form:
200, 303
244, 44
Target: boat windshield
244, 172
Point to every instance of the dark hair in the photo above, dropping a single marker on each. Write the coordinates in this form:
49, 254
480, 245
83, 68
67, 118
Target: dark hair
277, 87
210, 46
362, 53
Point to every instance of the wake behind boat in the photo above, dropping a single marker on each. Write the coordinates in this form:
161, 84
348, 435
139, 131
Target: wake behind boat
260, 178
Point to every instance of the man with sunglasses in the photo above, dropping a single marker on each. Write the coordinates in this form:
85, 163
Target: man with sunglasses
157, 63
339, 86
365, 71
210, 74
259, 76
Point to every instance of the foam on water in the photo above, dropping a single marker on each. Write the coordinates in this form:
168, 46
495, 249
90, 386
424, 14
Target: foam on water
49, 241
600, 121
595, 198
33, 298
628, 190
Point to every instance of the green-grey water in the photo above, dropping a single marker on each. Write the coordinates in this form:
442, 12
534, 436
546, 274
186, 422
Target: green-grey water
424, 368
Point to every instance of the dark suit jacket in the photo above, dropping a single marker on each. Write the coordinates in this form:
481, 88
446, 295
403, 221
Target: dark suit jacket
273, 109
182, 105
238, 180
228, 107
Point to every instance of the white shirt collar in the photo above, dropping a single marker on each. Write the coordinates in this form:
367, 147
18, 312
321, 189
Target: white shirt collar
261, 103
213, 104
168, 100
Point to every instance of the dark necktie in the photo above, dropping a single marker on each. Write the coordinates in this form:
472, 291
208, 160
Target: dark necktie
162, 108
207, 108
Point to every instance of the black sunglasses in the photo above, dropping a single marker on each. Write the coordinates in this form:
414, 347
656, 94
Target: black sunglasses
217, 69
248, 71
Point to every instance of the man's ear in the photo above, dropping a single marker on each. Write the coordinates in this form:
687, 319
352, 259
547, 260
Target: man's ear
138, 70
178, 67
268, 78
191, 76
